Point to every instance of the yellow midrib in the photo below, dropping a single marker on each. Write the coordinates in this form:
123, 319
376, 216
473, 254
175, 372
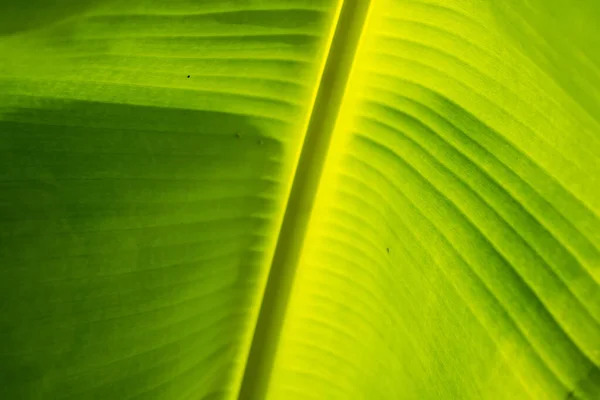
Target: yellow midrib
350, 24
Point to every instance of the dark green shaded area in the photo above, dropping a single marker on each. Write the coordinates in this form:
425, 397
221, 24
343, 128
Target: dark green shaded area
128, 235
18, 16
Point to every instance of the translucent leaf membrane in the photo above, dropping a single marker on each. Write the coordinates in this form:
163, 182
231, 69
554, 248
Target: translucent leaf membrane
147, 151
453, 249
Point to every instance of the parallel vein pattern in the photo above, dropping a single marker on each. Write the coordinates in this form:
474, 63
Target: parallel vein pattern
146, 154
454, 250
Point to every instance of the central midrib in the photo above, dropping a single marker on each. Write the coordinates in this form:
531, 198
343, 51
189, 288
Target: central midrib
349, 27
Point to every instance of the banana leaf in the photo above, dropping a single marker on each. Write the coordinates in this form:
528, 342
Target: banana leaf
300, 199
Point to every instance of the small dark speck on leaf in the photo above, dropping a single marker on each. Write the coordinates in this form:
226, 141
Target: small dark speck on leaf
188, 76
260, 141
387, 249
237, 135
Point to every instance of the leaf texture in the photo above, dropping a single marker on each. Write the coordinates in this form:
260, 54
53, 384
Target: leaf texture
453, 250
147, 153
419, 178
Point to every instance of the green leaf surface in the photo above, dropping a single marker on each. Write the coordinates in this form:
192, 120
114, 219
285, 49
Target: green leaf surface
300, 199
